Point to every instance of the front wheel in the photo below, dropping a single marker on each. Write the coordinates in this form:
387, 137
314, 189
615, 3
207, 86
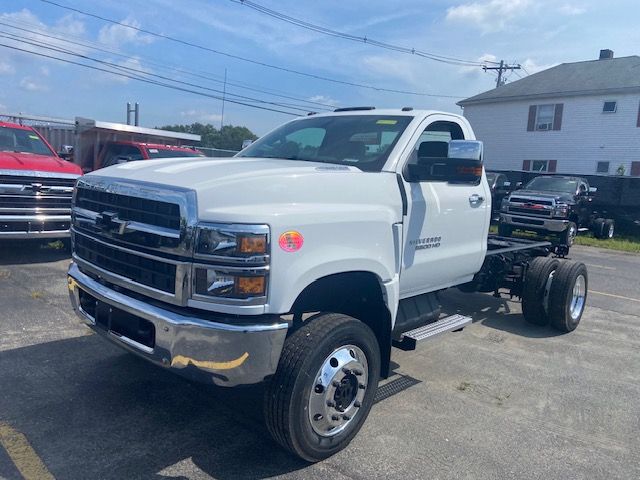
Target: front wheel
324, 386
608, 229
569, 235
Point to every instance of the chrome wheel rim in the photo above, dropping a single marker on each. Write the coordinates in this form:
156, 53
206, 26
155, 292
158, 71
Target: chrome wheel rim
571, 235
610, 232
338, 391
578, 297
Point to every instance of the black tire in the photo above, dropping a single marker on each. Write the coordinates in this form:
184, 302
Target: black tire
608, 229
598, 227
288, 394
562, 314
535, 283
504, 230
569, 235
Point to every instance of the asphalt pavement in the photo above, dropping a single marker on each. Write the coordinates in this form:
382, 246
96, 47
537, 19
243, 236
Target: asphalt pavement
502, 399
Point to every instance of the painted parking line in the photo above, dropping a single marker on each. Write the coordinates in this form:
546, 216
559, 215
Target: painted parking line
22, 454
600, 266
615, 296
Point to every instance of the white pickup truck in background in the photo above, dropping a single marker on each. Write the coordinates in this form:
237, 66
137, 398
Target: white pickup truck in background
301, 261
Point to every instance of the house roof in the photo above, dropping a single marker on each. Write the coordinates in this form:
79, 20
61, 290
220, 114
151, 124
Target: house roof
614, 75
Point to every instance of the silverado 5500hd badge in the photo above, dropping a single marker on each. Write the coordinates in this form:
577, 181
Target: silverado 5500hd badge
425, 243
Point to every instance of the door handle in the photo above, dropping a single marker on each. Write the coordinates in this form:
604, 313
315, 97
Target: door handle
476, 199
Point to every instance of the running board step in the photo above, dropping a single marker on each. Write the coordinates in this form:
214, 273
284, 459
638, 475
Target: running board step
411, 338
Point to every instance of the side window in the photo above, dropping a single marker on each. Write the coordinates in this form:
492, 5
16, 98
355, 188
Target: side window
130, 151
434, 141
110, 154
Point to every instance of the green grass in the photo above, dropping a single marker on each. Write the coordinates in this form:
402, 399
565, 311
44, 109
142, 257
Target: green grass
620, 243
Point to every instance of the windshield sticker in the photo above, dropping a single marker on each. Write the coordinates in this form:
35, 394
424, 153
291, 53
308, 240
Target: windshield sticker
386, 122
153, 150
34, 137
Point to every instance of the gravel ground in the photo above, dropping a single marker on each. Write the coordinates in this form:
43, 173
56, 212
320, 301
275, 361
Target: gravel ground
502, 399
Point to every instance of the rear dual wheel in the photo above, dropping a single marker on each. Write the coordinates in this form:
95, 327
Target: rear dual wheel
603, 228
324, 386
555, 293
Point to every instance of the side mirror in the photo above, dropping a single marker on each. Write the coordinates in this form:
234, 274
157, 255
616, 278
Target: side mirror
518, 184
462, 165
66, 152
246, 143
593, 189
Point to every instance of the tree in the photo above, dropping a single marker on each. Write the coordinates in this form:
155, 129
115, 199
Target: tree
228, 138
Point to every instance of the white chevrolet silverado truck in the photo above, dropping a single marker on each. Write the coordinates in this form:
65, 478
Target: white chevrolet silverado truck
301, 261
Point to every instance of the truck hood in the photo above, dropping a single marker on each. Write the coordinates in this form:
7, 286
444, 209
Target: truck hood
256, 189
557, 196
41, 163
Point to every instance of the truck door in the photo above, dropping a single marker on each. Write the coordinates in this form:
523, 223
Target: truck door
447, 224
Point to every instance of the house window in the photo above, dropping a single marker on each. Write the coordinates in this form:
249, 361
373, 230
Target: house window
544, 117
540, 166
609, 107
603, 167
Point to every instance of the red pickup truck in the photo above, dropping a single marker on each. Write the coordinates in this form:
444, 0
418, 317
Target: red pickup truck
36, 186
121, 151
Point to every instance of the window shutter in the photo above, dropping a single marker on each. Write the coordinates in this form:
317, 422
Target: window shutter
557, 116
531, 123
526, 164
635, 169
552, 165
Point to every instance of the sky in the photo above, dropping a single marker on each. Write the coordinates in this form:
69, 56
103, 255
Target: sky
535, 34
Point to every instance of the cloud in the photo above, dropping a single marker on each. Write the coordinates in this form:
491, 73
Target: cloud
6, 68
203, 116
571, 10
117, 35
488, 16
127, 65
327, 100
31, 85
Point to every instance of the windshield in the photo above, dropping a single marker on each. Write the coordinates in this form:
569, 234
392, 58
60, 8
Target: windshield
551, 184
362, 141
170, 153
22, 141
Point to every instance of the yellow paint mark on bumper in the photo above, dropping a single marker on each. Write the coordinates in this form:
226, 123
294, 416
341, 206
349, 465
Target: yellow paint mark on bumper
71, 283
182, 361
23, 455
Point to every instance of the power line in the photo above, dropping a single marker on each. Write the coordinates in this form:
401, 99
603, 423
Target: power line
354, 38
164, 66
144, 80
244, 59
10, 36
502, 68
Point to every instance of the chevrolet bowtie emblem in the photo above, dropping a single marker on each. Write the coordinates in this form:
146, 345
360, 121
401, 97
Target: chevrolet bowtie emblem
109, 222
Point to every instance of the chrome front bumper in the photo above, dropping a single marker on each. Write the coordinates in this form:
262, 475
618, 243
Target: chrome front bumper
226, 354
32, 226
534, 223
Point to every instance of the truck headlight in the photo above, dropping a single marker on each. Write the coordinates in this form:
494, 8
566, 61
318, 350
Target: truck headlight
561, 210
216, 282
232, 240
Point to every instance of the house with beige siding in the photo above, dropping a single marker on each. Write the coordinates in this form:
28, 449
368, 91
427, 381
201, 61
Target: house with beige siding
579, 118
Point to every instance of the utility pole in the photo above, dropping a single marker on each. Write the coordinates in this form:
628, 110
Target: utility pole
224, 93
136, 112
502, 68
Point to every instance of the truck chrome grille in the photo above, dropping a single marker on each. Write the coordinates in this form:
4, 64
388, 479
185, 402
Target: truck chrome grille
150, 212
150, 272
136, 235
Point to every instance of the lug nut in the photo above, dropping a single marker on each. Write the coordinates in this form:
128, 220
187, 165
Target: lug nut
335, 383
330, 403
357, 404
346, 370
335, 418
346, 417
357, 372
362, 386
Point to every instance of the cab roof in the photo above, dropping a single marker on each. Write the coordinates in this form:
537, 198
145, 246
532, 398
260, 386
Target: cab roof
15, 125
